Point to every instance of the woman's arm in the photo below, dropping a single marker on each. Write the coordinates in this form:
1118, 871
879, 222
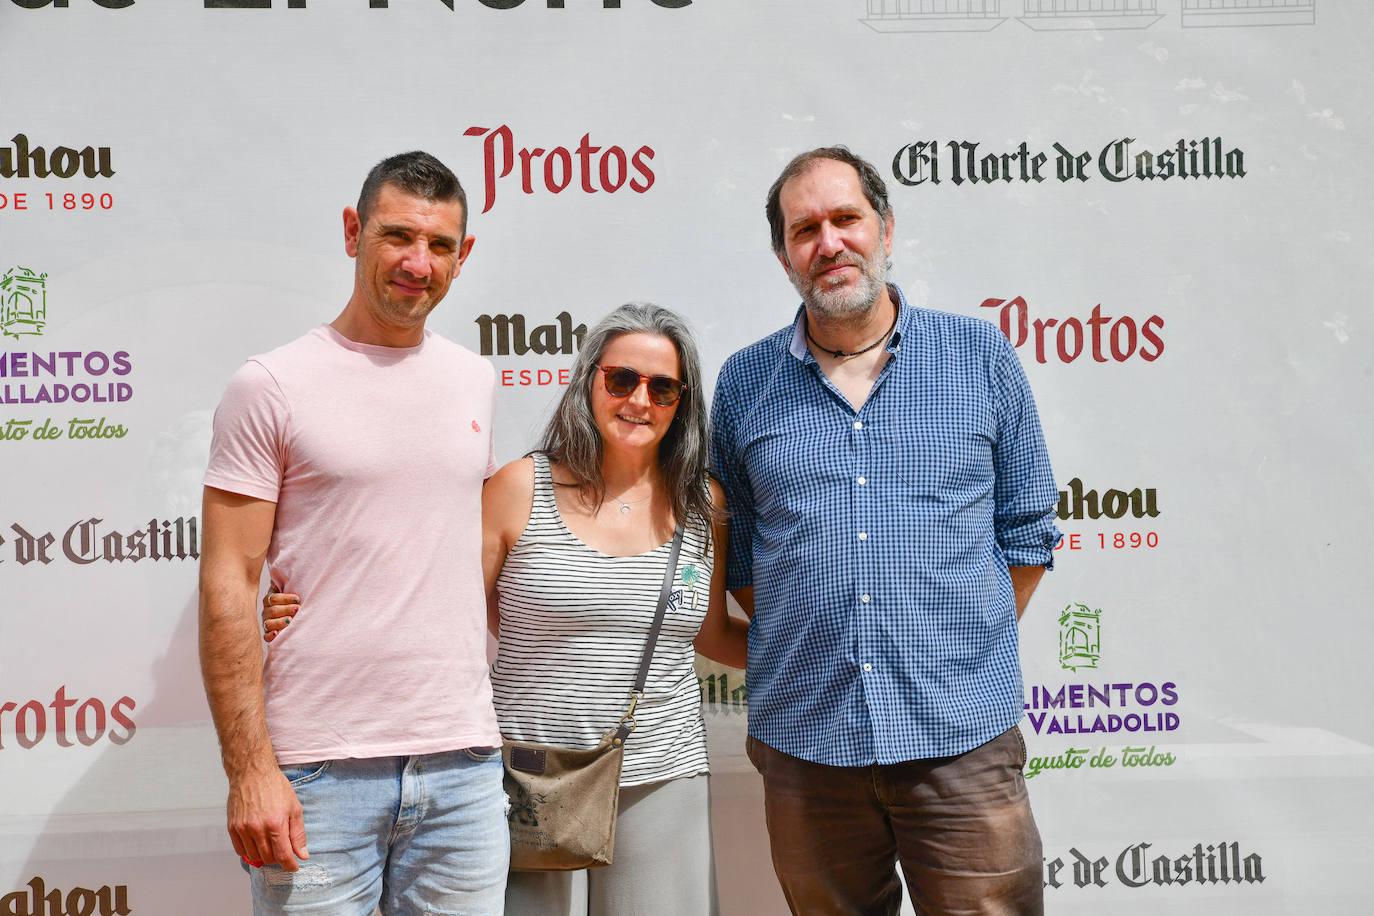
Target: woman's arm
507, 499
722, 638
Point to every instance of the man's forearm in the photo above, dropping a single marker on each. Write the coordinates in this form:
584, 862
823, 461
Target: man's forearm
1024, 579
237, 531
231, 665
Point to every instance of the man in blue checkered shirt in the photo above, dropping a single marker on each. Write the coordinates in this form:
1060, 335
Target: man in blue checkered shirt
892, 510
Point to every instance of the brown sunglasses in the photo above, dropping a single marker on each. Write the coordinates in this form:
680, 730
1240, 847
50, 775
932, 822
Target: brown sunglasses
621, 382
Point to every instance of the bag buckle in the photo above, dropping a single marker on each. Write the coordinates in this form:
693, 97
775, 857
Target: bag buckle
627, 721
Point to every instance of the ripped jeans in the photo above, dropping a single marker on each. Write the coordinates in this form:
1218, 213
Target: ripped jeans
413, 836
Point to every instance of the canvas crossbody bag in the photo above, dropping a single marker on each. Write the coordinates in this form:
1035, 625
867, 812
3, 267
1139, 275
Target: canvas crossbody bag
563, 801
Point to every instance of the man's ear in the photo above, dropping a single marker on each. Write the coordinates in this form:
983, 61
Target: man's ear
353, 229
464, 250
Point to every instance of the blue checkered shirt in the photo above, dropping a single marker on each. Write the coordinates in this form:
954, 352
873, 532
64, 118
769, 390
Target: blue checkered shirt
878, 540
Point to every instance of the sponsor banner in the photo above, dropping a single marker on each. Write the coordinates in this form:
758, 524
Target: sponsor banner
585, 167
1126, 518
1098, 337
23, 159
91, 541
39, 376
1142, 864
1162, 205
517, 336
37, 898
1096, 710
1140, 707
67, 721
1118, 160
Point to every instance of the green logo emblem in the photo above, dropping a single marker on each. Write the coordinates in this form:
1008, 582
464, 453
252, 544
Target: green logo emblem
1080, 637
23, 302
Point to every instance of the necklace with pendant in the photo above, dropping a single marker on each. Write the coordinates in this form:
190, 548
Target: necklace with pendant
626, 506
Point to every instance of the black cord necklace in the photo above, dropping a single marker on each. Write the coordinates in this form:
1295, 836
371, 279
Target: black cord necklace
840, 354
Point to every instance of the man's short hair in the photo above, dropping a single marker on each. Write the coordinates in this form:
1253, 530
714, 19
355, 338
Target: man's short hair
872, 183
416, 173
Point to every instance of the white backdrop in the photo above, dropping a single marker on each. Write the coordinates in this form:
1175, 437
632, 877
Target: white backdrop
208, 153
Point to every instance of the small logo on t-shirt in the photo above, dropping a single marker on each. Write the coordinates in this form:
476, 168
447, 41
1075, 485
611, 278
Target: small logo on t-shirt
475, 427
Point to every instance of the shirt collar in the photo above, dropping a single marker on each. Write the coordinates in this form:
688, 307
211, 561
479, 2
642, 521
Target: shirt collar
801, 351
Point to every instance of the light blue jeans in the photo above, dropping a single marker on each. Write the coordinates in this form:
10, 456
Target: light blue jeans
413, 836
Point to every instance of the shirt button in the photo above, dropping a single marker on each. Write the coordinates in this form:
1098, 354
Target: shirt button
863, 480
864, 598
863, 535
858, 424
867, 666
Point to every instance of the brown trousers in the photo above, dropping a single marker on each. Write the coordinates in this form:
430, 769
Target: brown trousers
961, 826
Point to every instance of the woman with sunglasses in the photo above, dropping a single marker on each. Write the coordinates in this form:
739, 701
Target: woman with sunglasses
575, 539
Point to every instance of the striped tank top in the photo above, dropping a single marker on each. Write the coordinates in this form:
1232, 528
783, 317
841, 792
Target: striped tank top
573, 626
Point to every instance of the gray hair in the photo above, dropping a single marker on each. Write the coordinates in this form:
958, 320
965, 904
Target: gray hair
572, 439
874, 188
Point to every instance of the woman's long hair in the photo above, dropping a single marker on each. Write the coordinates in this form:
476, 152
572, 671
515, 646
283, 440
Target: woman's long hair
573, 441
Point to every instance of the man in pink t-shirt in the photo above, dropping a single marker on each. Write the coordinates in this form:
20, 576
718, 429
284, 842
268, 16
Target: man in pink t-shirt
351, 461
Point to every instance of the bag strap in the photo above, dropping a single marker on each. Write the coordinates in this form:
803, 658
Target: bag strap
627, 721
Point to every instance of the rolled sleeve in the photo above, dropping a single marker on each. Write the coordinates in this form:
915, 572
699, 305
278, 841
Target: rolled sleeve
1025, 496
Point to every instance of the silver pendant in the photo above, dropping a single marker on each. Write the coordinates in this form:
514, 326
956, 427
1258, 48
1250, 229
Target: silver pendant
624, 509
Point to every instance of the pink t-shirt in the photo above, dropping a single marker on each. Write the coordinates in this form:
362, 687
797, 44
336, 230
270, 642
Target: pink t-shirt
375, 457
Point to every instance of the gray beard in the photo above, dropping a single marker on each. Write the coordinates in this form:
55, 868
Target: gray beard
842, 305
